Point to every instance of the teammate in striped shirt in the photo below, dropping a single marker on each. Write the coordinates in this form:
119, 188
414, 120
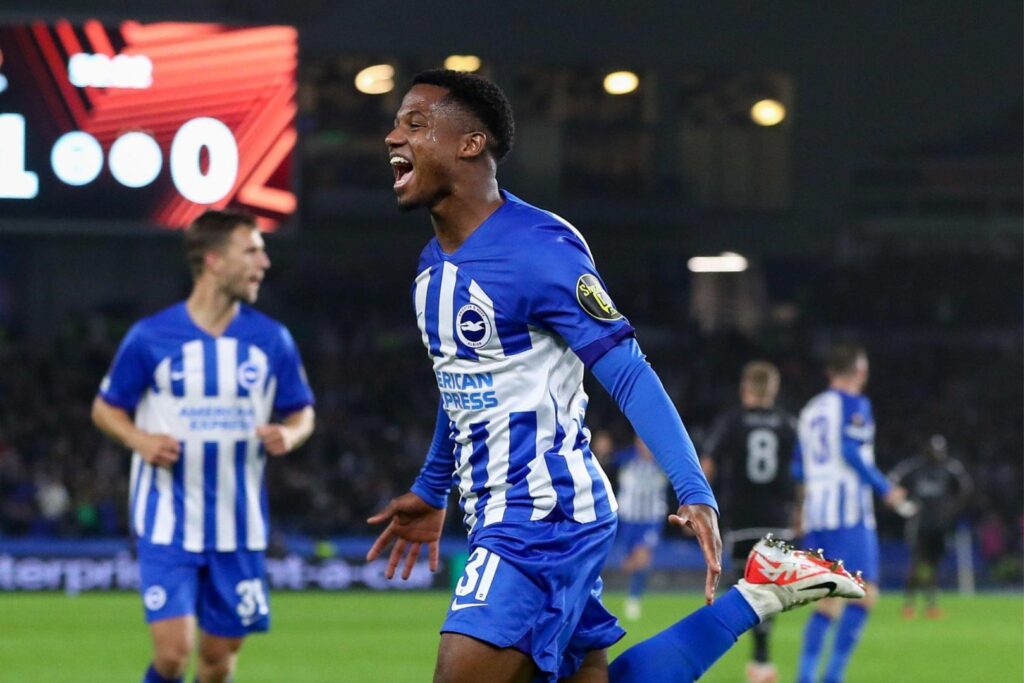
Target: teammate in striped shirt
511, 311
835, 463
643, 504
204, 379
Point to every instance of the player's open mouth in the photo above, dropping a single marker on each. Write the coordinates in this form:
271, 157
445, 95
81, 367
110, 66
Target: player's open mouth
402, 168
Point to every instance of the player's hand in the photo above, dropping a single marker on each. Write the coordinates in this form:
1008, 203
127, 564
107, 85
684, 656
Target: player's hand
159, 450
412, 522
276, 438
895, 497
703, 521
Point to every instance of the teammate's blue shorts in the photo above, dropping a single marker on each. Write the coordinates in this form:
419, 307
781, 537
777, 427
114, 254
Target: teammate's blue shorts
856, 546
634, 534
226, 591
536, 586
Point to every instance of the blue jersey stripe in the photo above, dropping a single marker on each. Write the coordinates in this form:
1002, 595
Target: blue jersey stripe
178, 375
561, 478
209, 368
264, 499
597, 487
433, 304
151, 500
241, 516
478, 459
243, 358
210, 493
178, 486
515, 337
522, 450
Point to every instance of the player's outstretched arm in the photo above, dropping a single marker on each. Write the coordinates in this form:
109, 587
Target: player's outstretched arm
293, 431
411, 523
162, 450
625, 373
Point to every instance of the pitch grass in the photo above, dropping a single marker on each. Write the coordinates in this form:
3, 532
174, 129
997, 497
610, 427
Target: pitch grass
392, 638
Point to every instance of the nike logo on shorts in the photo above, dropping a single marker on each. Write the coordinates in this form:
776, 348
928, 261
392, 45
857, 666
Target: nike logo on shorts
456, 606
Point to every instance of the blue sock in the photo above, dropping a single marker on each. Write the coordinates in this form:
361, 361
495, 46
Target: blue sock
153, 677
637, 582
685, 650
814, 638
851, 625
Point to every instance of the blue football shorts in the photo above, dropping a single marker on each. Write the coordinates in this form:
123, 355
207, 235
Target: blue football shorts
634, 534
226, 591
536, 587
856, 546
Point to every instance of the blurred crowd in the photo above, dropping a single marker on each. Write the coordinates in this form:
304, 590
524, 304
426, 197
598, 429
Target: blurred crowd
376, 402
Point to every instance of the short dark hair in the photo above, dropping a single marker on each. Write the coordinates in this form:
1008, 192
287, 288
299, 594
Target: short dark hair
842, 358
211, 231
481, 98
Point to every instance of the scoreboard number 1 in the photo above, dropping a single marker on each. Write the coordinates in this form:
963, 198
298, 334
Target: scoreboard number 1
134, 159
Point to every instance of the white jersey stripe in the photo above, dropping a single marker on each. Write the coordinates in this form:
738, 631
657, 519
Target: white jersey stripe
464, 471
141, 497
162, 376
256, 528
479, 297
192, 475
163, 527
226, 495
538, 477
422, 283
262, 402
227, 368
445, 309
612, 501
192, 366
583, 493
133, 483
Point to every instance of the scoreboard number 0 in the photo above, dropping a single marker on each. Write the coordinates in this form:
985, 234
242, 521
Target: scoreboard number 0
135, 160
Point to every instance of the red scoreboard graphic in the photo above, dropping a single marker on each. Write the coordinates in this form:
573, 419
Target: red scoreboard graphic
146, 123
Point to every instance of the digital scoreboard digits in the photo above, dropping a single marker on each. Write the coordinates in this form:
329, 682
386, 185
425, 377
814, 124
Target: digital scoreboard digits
145, 123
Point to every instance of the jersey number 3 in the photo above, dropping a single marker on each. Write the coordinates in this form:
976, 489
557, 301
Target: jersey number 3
762, 456
476, 580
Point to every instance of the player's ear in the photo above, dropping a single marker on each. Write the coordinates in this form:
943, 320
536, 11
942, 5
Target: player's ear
211, 260
473, 145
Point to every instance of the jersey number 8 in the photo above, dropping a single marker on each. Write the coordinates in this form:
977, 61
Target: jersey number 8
762, 456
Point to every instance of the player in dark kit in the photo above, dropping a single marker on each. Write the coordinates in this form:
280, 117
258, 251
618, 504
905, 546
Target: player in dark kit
512, 311
940, 487
746, 456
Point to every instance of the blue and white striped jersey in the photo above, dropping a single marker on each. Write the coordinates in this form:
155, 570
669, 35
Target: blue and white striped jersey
834, 428
642, 489
211, 394
509, 320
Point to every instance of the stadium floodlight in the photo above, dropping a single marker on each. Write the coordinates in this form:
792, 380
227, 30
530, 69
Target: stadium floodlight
468, 63
621, 82
768, 112
726, 262
376, 80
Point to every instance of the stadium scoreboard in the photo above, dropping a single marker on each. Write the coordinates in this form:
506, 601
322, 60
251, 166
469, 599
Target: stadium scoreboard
145, 124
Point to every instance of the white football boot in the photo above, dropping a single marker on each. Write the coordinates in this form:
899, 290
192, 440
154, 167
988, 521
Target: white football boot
778, 578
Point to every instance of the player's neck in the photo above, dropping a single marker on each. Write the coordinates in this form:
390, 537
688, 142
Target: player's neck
847, 386
210, 308
458, 215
